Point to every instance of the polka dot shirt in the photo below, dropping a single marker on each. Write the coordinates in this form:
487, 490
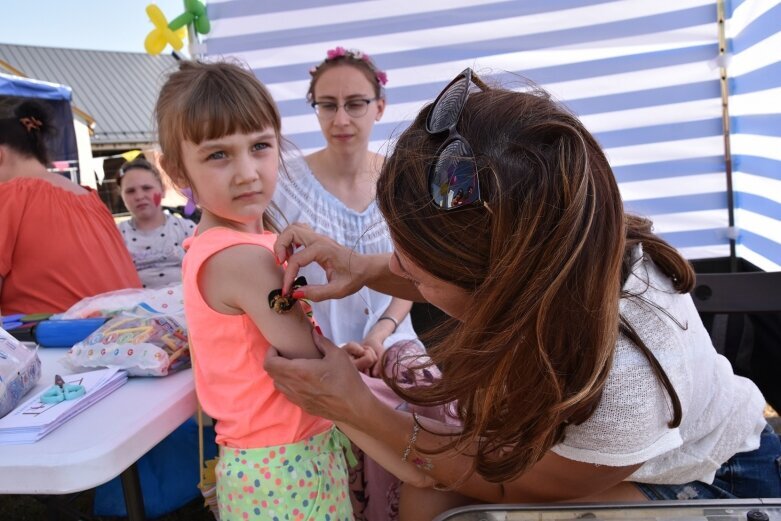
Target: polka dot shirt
157, 254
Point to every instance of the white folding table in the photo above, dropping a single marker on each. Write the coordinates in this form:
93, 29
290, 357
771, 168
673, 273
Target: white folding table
102, 442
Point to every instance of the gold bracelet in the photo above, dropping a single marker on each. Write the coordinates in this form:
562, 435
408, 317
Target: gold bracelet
412, 438
421, 462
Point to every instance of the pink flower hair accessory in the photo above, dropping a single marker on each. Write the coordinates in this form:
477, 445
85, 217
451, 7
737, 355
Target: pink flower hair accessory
338, 52
352, 54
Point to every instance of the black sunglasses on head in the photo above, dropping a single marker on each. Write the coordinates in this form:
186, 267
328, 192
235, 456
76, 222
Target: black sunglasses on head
452, 177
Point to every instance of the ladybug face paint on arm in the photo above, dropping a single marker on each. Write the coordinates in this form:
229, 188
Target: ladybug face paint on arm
284, 303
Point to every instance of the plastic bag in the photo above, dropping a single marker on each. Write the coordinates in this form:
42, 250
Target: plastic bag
167, 300
20, 369
151, 345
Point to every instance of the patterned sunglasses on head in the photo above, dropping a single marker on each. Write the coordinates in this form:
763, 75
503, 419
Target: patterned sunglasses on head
452, 176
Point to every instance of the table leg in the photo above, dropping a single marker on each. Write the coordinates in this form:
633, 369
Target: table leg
131, 488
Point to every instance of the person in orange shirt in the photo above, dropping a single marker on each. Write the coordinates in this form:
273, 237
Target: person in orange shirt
58, 241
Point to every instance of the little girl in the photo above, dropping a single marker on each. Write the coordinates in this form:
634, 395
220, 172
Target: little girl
219, 131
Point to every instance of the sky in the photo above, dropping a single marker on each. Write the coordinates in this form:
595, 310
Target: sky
107, 25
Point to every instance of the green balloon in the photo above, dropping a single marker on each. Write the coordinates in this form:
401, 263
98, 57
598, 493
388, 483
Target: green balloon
202, 25
180, 21
195, 7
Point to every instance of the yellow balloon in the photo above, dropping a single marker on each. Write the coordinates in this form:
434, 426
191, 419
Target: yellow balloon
154, 44
161, 35
156, 16
173, 39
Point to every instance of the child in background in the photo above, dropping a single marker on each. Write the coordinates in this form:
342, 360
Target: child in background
219, 131
153, 237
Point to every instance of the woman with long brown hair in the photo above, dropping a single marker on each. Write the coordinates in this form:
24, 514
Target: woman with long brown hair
578, 361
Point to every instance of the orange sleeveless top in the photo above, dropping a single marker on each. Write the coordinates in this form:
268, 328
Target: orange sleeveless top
228, 354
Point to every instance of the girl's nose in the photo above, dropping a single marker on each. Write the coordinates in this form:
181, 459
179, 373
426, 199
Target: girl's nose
246, 170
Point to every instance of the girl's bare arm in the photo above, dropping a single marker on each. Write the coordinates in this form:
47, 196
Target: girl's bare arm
238, 280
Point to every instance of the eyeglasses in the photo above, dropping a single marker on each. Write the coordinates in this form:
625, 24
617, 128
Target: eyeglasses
452, 177
355, 108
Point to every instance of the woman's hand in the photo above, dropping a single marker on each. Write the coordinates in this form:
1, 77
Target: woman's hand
330, 387
338, 262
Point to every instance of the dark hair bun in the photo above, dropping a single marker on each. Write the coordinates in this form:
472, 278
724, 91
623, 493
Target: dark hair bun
38, 111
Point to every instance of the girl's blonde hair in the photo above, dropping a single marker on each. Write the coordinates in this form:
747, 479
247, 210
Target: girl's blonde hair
205, 101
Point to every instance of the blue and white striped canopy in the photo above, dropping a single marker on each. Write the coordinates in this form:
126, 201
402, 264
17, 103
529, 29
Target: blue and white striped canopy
643, 76
754, 33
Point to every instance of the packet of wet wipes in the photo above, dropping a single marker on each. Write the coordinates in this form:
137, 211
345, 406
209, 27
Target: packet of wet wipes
20, 369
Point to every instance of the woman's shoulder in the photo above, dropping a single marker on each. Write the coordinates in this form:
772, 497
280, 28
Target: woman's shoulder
47, 182
125, 226
376, 161
295, 166
11, 190
45, 195
26, 186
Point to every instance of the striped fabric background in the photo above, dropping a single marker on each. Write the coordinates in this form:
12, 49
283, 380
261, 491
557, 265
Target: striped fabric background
754, 31
642, 75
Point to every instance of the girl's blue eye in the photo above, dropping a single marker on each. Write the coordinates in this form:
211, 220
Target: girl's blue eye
260, 146
216, 155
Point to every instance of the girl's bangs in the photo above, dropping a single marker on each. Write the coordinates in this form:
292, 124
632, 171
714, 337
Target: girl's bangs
218, 114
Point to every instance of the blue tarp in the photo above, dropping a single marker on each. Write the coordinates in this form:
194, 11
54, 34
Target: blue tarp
62, 147
28, 88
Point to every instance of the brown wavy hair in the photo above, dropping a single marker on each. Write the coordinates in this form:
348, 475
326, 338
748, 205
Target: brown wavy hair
204, 101
140, 163
544, 260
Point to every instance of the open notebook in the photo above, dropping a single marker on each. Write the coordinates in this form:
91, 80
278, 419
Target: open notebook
32, 420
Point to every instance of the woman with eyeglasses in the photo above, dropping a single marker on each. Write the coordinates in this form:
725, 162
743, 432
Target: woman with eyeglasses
58, 241
576, 356
153, 237
332, 190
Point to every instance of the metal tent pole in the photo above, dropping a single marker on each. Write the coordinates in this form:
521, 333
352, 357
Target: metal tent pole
732, 232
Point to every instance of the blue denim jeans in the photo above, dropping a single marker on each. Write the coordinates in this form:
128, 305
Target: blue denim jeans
755, 474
